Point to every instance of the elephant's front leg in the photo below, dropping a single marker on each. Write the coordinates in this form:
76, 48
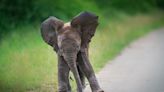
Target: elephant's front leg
88, 71
82, 76
63, 76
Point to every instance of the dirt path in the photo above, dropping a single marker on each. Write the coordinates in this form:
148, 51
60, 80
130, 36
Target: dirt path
139, 68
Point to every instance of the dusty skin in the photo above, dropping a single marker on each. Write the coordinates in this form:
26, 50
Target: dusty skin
71, 42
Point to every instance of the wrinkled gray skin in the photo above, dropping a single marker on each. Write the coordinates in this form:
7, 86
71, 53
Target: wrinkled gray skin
71, 41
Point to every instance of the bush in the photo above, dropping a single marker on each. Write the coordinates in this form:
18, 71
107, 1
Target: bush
16, 12
130, 6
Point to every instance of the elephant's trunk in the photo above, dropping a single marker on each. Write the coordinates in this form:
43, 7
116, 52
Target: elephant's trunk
71, 61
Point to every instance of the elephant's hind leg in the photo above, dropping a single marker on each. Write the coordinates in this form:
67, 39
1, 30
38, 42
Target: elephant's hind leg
86, 67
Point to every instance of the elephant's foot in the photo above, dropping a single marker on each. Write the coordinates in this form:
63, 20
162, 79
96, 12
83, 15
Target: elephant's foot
100, 90
62, 91
65, 91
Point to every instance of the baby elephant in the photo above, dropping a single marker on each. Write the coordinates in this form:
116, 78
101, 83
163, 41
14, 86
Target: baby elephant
71, 42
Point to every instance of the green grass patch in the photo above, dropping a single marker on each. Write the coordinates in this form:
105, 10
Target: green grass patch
28, 64
110, 41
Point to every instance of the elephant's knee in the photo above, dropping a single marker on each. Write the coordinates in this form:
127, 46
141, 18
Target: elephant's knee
62, 87
93, 79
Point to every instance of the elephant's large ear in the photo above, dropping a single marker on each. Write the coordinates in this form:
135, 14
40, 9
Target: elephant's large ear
88, 23
49, 28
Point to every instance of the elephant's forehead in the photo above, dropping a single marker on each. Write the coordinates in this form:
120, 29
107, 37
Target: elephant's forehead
69, 33
67, 26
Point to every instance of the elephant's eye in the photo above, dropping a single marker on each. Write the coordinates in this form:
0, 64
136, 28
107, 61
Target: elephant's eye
76, 46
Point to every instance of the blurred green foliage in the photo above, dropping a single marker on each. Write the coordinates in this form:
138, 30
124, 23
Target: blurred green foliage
27, 64
128, 5
15, 12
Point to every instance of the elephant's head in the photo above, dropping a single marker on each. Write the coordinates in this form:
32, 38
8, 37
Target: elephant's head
69, 42
68, 39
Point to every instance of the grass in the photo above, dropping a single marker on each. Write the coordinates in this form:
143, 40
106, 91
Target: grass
24, 62
27, 64
111, 40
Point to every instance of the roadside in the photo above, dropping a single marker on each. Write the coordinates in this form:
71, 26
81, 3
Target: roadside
139, 68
